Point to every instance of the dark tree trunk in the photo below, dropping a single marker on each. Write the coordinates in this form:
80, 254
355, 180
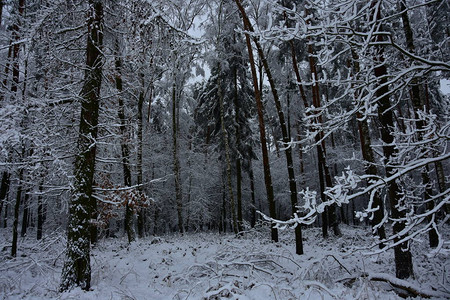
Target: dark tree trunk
77, 268
140, 217
124, 146
286, 141
227, 152
16, 214
16, 46
262, 128
15, 82
330, 212
25, 214
240, 220
252, 193
418, 101
224, 206
176, 160
5, 216
370, 168
4, 187
7, 68
403, 258
1, 10
40, 217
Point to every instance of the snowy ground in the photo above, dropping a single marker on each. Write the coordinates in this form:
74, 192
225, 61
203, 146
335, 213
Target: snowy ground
213, 266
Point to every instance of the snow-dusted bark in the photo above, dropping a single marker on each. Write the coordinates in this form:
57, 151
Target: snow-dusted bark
77, 268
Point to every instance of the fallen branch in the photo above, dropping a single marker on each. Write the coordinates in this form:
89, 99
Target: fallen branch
410, 288
319, 285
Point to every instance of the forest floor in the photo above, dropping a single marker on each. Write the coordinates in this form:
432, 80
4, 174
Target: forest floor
217, 266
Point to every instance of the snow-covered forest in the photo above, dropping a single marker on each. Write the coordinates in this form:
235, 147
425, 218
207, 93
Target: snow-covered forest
224, 149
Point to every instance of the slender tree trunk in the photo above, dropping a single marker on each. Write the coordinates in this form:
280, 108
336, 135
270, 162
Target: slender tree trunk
140, 217
227, 153
16, 214
40, 217
286, 141
224, 205
418, 101
262, 128
403, 258
5, 216
239, 148
252, 193
370, 168
329, 213
176, 161
25, 214
77, 268
16, 46
4, 187
14, 87
129, 228
7, 68
321, 149
188, 200
1, 10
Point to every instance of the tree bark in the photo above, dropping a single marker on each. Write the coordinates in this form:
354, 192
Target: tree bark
77, 269
176, 161
124, 146
370, 168
403, 258
4, 187
227, 153
40, 217
16, 214
240, 220
140, 217
329, 214
252, 193
418, 102
262, 128
25, 214
286, 141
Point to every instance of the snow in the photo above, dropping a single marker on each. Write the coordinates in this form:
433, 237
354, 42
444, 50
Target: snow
444, 86
220, 266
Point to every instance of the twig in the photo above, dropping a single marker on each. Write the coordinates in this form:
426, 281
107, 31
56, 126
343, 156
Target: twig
330, 255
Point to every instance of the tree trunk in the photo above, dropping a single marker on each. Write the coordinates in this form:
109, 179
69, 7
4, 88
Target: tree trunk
16, 46
4, 187
25, 214
40, 220
370, 167
140, 217
176, 161
321, 148
77, 269
124, 145
418, 102
16, 214
240, 220
5, 216
1, 10
262, 128
286, 141
403, 258
227, 152
252, 193
224, 205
